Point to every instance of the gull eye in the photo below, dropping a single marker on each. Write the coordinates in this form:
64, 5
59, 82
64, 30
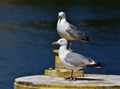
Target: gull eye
61, 40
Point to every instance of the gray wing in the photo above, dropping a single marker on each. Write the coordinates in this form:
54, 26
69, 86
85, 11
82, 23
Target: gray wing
75, 33
77, 59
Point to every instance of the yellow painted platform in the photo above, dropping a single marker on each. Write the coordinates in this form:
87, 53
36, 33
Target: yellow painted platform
65, 73
90, 81
57, 61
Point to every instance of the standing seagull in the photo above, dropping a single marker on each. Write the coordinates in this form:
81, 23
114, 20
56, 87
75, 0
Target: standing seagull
74, 60
69, 31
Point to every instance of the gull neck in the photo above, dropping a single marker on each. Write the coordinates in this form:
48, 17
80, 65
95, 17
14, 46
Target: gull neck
62, 49
62, 20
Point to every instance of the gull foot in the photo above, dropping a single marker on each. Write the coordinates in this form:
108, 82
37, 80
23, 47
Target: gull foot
70, 79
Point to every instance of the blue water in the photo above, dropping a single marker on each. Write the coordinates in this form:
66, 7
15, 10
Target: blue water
26, 34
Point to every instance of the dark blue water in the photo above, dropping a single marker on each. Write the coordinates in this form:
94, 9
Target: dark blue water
26, 34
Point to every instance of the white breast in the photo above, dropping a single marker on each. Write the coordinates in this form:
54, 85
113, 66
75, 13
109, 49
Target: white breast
62, 26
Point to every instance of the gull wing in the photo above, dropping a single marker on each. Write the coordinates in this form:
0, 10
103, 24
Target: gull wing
77, 34
78, 60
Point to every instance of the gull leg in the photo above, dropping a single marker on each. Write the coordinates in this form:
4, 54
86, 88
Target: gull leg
70, 47
72, 75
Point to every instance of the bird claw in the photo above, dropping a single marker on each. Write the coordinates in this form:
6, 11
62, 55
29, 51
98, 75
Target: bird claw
70, 79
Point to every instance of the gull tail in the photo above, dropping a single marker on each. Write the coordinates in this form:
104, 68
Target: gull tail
86, 38
96, 65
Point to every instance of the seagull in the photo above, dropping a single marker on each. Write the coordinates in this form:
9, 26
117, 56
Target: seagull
72, 60
69, 31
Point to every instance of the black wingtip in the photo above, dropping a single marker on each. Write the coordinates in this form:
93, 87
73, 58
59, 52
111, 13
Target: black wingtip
97, 65
86, 38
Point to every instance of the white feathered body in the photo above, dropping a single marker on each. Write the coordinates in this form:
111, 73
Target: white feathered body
62, 54
62, 25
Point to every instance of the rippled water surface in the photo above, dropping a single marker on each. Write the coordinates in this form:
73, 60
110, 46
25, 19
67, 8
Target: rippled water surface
26, 34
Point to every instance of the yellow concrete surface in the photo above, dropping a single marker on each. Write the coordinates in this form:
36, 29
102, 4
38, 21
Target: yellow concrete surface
65, 73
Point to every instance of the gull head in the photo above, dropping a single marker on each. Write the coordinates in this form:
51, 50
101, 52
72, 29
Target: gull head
61, 42
61, 15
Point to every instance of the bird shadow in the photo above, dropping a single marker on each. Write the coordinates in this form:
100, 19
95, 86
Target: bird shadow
89, 79
86, 79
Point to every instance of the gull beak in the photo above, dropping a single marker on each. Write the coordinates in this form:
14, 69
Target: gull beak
59, 17
54, 43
